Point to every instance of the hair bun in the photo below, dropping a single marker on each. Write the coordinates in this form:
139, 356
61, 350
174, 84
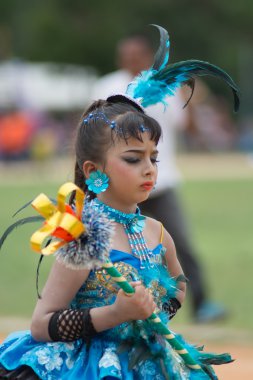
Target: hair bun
123, 98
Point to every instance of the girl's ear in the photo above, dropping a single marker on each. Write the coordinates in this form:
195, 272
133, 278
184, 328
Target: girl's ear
88, 167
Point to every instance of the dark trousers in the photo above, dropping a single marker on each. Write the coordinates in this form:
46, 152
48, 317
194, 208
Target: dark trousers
167, 209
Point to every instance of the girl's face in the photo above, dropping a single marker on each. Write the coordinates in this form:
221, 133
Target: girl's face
132, 171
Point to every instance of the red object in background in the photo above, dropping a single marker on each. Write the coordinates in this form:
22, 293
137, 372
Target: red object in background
16, 130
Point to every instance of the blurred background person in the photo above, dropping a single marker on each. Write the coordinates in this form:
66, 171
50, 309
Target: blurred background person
134, 54
210, 127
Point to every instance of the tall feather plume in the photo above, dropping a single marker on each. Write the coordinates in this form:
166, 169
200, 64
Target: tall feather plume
162, 55
162, 80
180, 73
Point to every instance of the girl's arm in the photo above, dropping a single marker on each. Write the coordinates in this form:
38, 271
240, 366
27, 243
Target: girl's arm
154, 235
173, 265
61, 287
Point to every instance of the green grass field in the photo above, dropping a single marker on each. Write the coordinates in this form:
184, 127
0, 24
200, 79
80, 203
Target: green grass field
220, 218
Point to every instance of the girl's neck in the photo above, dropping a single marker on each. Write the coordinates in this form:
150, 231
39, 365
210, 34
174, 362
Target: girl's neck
133, 223
118, 205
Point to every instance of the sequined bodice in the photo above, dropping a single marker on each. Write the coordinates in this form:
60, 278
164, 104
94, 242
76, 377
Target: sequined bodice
99, 289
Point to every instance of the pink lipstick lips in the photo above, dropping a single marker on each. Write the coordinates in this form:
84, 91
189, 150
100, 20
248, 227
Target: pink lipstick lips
148, 185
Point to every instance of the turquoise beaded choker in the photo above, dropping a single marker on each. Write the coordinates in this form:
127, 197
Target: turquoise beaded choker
133, 224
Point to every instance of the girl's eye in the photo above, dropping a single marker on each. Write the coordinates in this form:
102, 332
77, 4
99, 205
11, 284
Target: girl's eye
131, 160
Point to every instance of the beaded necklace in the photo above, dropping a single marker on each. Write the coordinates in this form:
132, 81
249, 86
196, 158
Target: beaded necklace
133, 225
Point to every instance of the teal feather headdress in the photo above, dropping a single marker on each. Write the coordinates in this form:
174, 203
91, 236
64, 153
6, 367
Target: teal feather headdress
162, 80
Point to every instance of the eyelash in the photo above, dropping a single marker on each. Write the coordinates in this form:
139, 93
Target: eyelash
137, 160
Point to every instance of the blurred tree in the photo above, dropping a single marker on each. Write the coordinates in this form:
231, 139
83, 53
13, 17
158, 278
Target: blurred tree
77, 31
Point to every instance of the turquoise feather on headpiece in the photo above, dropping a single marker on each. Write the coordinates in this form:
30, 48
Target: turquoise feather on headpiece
161, 80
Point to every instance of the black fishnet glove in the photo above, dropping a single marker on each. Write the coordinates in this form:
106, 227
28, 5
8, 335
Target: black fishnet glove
70, 324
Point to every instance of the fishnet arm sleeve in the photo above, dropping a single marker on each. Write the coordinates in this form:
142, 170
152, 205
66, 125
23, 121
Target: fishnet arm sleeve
70, 324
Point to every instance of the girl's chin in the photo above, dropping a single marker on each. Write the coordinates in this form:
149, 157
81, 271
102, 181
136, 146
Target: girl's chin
144, 197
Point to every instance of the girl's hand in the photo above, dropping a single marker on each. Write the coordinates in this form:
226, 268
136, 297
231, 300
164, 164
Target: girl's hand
140, 305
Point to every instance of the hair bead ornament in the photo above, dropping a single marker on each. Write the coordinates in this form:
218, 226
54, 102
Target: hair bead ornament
142, 128
99, 116
94, 116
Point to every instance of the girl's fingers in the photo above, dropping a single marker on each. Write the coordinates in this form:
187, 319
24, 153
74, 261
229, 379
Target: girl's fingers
134, 284
143, 294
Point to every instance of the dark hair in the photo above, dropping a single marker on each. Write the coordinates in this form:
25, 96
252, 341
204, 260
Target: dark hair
95, 135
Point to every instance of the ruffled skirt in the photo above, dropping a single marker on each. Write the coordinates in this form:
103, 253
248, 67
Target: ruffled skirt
101, 360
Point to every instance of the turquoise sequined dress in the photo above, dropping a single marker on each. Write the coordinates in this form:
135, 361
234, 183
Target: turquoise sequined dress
130, 351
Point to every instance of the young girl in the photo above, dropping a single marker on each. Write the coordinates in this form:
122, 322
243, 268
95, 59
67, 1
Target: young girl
82, 319
84, 327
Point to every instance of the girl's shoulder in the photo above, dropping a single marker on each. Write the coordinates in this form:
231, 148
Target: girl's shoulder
156, 231
152, 223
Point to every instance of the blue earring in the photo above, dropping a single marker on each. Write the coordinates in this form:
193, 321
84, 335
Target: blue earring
97, 182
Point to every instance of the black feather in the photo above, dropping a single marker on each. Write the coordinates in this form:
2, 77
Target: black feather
215, 359
37, 275
38, 269
209, 371
138, 355
28, 204
22, 208
191, 84
182, 72
163, 50
20, 222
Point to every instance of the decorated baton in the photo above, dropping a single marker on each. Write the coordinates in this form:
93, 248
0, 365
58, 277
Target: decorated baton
160, 327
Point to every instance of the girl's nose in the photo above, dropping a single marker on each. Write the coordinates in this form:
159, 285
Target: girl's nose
149, 168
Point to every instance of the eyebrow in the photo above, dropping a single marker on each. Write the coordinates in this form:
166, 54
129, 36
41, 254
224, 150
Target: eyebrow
140, 151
